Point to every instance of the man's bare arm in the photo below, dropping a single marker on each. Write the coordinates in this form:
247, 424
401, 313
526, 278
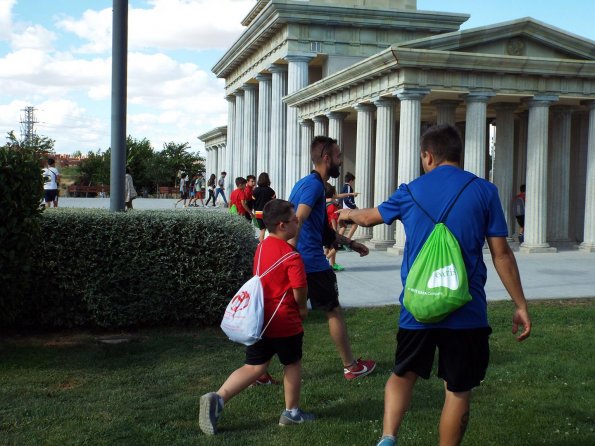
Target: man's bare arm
506, 266
302, 213
362, 217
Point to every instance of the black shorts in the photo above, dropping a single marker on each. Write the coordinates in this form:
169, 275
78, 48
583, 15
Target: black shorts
463, 355
323, 290
50, 195
520, 219
183, 195
260, 223
288, 349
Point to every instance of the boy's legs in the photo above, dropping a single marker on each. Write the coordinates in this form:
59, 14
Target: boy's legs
240, 380
397, 397
292, 384
454, 418
338, 332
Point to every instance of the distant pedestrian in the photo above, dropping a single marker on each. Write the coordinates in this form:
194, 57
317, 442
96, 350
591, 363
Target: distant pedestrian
262, 195
221, 187
348, 202
211, 188
51, 183
238, 199
129, 190
183, 189
519, 212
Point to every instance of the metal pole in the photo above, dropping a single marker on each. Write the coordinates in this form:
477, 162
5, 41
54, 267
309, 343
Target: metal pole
118, 137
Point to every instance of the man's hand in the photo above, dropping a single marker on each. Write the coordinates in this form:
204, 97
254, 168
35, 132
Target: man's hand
360, 248
521, 317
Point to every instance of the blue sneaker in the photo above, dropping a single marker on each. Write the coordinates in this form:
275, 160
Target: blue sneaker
387, 441
287, 418
210, 411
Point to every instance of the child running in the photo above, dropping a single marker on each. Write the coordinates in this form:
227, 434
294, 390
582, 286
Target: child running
284, 335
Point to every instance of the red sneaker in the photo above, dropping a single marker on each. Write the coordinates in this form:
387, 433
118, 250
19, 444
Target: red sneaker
265, 380
362, 367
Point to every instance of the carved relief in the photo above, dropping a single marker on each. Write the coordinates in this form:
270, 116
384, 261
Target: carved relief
515, 47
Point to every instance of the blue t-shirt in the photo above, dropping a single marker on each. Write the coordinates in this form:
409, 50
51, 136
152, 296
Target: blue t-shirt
477, 214
310, 191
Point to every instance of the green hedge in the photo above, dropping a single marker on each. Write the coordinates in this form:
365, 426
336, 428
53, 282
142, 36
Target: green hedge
21, 189
97, 268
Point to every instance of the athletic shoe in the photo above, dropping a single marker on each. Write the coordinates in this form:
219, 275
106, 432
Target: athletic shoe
288, 419
265, 380
387, 441
337, 267
210, 411
363, 367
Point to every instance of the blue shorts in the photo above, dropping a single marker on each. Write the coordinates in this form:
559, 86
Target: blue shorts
50, 195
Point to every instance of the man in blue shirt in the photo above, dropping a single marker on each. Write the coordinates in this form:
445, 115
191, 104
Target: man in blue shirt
462, 337
308, 199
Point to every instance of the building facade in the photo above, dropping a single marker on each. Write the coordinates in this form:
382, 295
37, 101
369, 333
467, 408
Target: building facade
373, 74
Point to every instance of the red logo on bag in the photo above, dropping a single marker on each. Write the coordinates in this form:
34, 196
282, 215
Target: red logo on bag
240, 301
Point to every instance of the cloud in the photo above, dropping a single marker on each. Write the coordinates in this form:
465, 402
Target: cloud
167, 24
33, 37
6, 18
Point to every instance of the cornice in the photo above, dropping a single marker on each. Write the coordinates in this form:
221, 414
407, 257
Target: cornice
277, 13
398, 58
212, 134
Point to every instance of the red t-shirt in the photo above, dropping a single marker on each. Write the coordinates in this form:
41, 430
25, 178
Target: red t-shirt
248, 192
236, 198
330, 212
290, 274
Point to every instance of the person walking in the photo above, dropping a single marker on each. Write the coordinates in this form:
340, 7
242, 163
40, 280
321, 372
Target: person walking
262, 195
183, 189
51, 183
308, 197
129, 190
221, 188
519, 212
211, 188
470, 208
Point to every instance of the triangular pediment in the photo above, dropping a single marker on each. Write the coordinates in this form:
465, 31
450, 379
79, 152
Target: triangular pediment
525, 37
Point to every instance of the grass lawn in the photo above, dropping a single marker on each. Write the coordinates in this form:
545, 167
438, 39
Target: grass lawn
67, 389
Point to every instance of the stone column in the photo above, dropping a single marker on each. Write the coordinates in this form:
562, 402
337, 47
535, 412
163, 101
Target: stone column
384, 172
504, 159
264, 123
278, 126
320, 125
409, 149
520, 155
239, 144
297, 79
250, 135
558, 211
335, 131
231, 137
216, 159
588, 243
475, 132
364, 162
219, 156
536, 197
307, 134
446, 111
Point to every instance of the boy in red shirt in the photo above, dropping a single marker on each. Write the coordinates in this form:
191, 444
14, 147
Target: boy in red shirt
284, 334
238, 197
249, 205
333, 222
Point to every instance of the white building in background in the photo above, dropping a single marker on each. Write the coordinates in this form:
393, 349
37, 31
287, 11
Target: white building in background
375, 73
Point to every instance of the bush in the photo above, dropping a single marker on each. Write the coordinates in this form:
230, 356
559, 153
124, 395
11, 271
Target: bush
138, 268
21, 189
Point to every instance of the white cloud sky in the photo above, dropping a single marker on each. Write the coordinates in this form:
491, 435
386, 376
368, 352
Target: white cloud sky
62, 67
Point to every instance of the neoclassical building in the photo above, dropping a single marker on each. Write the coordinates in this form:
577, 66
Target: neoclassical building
375, 73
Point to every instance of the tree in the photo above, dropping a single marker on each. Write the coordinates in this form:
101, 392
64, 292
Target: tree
42, 145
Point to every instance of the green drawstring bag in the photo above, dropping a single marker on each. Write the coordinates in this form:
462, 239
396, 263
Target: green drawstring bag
437, 282
233, 209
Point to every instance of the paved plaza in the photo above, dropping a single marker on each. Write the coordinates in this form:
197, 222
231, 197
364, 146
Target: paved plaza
374, 280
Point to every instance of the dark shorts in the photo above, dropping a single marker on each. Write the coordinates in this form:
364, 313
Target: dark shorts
323, 290
520, 219
183, 195
463, 355
260, 223
50, 195
289, 350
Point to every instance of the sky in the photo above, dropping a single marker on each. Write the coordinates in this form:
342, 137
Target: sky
55, 55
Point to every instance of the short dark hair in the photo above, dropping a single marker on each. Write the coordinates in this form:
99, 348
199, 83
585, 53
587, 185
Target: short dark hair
263, 180
274, 212
329, 190
349, 177
319, 146
51, 161
240, 180
223, 173
443, 142
523, 188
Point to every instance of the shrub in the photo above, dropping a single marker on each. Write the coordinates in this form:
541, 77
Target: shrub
138, 268
21, 189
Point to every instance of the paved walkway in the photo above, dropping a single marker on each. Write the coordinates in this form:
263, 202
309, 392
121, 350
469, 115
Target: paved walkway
375, 279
